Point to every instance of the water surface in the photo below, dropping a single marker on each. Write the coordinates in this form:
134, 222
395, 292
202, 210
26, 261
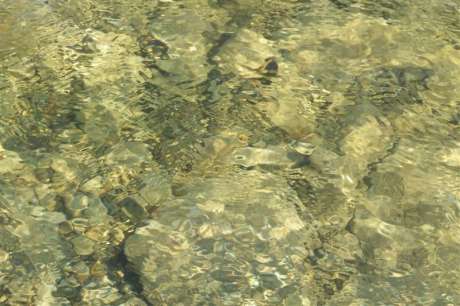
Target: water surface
229, 152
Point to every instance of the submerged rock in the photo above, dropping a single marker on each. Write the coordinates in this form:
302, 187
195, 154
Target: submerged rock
83, 246
132, 209
33, 252
389, 9
392, 89
246, 54
228, 240
276, 156
134, 302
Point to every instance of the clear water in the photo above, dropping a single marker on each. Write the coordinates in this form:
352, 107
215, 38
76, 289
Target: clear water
229, 152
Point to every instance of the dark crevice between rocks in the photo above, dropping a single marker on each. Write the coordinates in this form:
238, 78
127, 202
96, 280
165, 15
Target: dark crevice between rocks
372, 167
362, 264
120, 262
342, 4
304, 190
215, 77
218, 44
455, 119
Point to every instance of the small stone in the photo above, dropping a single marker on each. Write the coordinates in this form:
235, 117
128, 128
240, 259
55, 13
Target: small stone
83, 246
132, 209
129, 153
250, 157
68, 288
97, 233
117, 236
303, 148
243, 138
44, 175
94, 185
156, 190
66, 168
96, 213
75, 207
65, 228
451, 157
270, 67
98, 270
134, 301
51, 202
81, 271
3, 256
120, 274
100, 295
80, 224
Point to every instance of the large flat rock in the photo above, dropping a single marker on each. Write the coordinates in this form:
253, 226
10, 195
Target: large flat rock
228, 240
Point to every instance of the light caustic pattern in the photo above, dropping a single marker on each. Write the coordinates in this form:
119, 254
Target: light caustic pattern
214, 152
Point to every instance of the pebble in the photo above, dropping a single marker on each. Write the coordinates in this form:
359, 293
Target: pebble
79, 224
94, 185
117, 236
98, 269
134, 301
132, 209
3, 256
81, 271
97, 233
75, 207
83, 246
65, 228
303, 148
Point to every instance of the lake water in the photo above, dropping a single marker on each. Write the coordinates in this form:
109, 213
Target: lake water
229, 152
